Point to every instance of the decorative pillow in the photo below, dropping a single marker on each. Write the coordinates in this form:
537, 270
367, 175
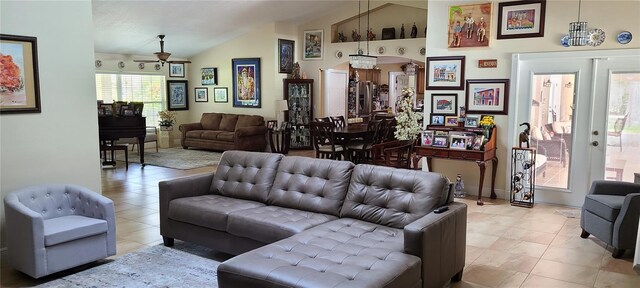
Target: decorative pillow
536, 134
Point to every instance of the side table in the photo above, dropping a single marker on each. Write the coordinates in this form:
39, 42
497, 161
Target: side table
279, 140
165, 139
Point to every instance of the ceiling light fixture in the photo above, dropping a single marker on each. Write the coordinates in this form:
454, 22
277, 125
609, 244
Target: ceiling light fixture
578, 30
359, 60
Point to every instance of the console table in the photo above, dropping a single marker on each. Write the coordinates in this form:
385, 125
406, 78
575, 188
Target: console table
480, 157
111, 128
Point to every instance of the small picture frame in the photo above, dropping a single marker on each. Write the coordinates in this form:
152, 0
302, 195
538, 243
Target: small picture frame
445, 104
471, 121
458, 142
123, 108
271, 125
427, 138
477, 142
176, 70
100, 111
441, 141
202, 94
451, 121
129, 112
107, 109
437, 120
220, 95
209, 76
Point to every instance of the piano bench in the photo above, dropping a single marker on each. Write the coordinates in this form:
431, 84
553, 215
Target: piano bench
112, 148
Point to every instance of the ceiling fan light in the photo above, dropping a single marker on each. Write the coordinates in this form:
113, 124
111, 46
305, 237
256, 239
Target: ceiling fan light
163, 56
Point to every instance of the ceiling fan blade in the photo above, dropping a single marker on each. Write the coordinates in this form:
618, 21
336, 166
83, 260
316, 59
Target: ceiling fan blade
178, 61
146, 61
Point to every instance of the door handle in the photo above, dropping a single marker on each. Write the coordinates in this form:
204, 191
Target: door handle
595, 143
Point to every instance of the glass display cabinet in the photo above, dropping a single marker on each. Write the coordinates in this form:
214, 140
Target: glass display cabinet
299, 96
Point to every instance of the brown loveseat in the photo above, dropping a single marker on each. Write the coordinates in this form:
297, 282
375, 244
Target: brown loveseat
220, 131
303, 222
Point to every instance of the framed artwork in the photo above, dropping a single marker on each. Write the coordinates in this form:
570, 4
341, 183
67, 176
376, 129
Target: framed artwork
440, 141
20, 86
220, 95
202, 94
437, 120
445, 73
209, 76
285, 55
451, 121
427, 138
246, 82
469, 25
488, 96
521, 19
177, 95
471, 121
176, 70
312, 45
445, 104
459, 142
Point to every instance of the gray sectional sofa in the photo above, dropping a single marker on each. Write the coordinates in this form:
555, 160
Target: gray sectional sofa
303, 222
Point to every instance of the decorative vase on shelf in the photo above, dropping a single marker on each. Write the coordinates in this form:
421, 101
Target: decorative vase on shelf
166, 128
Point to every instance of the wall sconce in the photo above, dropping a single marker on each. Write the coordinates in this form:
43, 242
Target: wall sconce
547, 83
568, 85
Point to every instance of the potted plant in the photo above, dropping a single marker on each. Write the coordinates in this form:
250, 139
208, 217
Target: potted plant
167, 118
407, 127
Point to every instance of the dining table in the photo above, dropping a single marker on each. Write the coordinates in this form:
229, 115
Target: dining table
347, 134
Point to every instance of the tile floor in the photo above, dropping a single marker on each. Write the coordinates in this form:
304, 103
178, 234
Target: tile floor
506, 246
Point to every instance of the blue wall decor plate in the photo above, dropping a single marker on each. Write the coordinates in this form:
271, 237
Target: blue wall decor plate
624, 37
565, 41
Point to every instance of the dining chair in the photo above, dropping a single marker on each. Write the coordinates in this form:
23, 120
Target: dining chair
338, 121
387, 129
393, 153
360, 151
322, 119
618, 126
150, 136
324, 142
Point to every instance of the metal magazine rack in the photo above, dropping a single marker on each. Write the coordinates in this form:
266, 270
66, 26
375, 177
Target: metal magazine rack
523, 176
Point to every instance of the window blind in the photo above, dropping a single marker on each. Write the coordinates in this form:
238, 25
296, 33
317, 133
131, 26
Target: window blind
149, 89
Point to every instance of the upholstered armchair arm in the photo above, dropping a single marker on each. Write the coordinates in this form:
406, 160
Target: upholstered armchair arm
625, 230
179, 188
614, 188
440, 241
24, 232
251, 131
94, 205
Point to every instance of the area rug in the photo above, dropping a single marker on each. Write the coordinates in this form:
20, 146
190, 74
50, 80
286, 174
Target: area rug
184, 265
176, 158
569, 213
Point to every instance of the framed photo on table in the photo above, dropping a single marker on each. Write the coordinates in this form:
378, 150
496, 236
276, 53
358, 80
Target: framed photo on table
521, 19
451, 121
202, 94
246, 82
458, 142
313, 45
176, 70
285, 55
488, 96
437, 120
445, 73
177, 95
220, 95
471, 121
444, 104
427, 138
20, 86
440, 141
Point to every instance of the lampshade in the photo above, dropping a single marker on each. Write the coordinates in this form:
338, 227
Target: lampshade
282, 105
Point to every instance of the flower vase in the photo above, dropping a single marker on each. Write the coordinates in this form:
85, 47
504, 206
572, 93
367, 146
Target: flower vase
166, 128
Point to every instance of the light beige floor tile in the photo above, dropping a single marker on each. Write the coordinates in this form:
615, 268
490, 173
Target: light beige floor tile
505, 220
590, 244
480, 240
486, 228
623, 265
521, 233
486, 276
506, 261
144, 236
504, 244
535, 281
151, 219
573, 256
616, 280
126, 227
546, 227
471, 254
137, 213
514, 281
529, 248
126, 246
565, 272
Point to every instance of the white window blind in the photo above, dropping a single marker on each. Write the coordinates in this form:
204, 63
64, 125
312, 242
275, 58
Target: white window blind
149, 89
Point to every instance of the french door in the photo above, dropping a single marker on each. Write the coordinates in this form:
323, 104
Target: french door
565, 96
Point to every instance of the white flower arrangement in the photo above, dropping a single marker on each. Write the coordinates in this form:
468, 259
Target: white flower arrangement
407, 127
167, 118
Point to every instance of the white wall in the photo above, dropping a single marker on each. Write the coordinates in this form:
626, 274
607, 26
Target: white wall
611, 16
53, 146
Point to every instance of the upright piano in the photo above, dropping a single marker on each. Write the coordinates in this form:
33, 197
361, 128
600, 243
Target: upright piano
112, 128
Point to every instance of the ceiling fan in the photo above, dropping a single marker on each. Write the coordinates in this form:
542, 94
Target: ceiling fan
162, 56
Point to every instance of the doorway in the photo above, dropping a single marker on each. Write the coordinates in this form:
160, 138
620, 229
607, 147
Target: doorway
573, 102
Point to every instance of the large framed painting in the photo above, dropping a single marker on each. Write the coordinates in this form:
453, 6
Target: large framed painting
445, 73
312, 45
209, 76
469, 25
19, 84
246, 82
521, 19
177, 95
444, 104
488, 96
285, 56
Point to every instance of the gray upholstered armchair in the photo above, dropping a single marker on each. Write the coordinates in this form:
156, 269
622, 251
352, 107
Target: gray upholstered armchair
50, 228
610, 212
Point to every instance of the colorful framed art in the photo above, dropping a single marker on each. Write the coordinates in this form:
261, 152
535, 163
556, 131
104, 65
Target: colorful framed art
220, 95
209, 76
246, 82
445, 73
444, 104
488, 96
451, 121
285, 55
521, 19
177, 95
20, 86
313, 45
469, 25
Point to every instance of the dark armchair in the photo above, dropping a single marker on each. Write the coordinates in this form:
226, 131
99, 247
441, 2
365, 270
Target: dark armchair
610, 213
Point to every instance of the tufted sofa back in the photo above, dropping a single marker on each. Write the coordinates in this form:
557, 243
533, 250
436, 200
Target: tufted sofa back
414, 194
58, 200
315, 185
245, 175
